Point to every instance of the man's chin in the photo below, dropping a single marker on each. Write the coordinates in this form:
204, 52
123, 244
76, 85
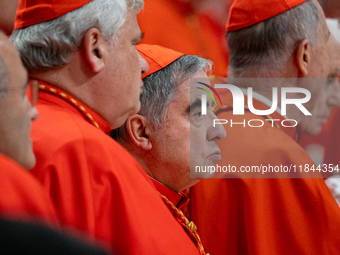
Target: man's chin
120, 120
29, 162
205, 172
137, 108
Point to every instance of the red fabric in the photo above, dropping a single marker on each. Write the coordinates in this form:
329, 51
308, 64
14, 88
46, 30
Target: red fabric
21, 195
179, 200
31, 12
245, 13
98, 187
264, 216
174, 25
157, 57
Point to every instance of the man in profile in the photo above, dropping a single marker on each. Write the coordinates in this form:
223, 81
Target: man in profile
170, 136
271, 44
21, 194
26, 211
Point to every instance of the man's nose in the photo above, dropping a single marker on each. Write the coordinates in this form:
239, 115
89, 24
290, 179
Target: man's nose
143, 64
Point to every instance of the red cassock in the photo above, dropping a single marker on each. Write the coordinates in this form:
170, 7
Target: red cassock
97, 186
21, 195
262, 216
173, 24
175, 202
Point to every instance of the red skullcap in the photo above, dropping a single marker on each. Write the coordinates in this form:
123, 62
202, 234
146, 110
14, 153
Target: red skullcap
31, 12
157, 57
244, 13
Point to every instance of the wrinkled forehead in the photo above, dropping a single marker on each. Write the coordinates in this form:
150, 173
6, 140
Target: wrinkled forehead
200, 79
199, 87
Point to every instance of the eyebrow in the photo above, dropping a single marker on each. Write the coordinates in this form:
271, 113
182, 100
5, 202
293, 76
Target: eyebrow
334, 74
138, 38
197, 104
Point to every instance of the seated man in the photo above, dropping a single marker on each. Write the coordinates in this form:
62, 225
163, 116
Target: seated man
20, 194
284, 46
24, 206
158, 136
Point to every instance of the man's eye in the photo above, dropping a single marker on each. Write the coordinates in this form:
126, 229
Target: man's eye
332, 80
198, 114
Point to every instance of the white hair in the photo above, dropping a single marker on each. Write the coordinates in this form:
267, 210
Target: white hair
51, 43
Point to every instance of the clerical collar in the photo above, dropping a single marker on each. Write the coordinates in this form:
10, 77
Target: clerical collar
90, 115
177, 198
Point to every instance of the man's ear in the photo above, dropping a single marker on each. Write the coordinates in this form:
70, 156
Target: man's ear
303, 57
139, 131
94, 49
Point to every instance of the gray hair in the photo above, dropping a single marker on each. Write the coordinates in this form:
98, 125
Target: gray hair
265, 48
51, 43
161, 88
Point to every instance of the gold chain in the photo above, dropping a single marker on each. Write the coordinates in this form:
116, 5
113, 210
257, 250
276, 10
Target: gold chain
189, 224
68, 98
